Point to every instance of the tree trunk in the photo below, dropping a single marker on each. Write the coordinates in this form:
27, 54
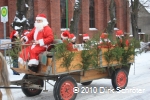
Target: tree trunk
134, 17
30, 13
112, 22
76, 17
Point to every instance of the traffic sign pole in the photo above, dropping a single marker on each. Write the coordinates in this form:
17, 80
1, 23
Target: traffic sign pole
5, 38
4, 19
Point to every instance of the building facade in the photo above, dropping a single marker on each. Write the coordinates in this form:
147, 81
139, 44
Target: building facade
94, 16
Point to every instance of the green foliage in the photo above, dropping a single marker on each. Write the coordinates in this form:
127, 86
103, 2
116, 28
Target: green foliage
13, 53
109, 56
86, 59
121, 53
90, 55
67, 56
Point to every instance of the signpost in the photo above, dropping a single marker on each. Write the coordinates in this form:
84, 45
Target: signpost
4, 19
5, 44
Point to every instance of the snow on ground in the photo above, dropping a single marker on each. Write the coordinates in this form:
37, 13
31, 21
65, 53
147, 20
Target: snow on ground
139, 79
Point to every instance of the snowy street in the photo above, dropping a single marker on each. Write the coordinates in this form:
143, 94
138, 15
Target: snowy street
137, 87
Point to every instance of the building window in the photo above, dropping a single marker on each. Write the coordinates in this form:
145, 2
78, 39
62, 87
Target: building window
91, 14
63, 13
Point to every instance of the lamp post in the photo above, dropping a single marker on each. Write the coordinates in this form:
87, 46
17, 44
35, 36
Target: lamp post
67, 14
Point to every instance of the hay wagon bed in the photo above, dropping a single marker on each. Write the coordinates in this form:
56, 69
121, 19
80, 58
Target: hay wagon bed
66, 80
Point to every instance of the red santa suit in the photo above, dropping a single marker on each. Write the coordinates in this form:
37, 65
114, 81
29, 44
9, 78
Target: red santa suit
120, 34
71, 45
44, 37
104, 41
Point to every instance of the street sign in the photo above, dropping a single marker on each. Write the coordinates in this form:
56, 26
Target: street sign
4, 14
5, 43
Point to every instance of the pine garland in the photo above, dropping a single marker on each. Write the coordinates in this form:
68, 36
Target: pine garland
14, 52
67, 56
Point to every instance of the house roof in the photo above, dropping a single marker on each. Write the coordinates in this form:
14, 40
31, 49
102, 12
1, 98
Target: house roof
145, 3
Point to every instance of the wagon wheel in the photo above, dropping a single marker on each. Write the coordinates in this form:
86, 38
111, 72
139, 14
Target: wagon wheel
63, 89
86, 83
119, 79
32, 92
56, 84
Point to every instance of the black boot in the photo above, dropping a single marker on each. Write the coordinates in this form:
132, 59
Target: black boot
33, 68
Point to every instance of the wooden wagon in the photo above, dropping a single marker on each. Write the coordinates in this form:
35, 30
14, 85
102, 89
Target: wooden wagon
66, 79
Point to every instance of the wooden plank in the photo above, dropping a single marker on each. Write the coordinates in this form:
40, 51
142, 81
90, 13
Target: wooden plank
76, 76
93, 74
77, 60
43, 68
104, 63
19, 70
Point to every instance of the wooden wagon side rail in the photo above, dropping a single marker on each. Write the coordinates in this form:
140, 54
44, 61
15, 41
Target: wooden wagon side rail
53, 65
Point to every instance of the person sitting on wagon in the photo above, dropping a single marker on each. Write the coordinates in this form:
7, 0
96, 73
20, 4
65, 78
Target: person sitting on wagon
42, 36
86, 38
72, 43
104, 41
86, 42
121, 41
14, 35
69, 39
65, 35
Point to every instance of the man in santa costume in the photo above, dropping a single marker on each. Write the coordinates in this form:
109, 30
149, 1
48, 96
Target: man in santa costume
41, 36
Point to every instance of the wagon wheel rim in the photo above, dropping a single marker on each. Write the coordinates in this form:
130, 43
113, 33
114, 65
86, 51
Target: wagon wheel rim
121, 79
66, 90
34, 90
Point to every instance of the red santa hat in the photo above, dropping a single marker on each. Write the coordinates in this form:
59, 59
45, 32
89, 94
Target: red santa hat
104, 36
65, 35
13, 33
72, 36
119, 33
86, 36
43, 18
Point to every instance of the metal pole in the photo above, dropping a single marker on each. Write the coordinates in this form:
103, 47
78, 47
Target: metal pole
4, 37
67, 14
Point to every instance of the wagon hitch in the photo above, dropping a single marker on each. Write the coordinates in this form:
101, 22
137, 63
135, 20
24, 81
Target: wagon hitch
25, 83
33, 86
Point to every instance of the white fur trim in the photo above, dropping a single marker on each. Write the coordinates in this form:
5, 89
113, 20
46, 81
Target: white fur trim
41, 42
21, 61
40, 18
105, 40
33, 46
45, 22
86, 37
119, 35
35, 34
26, 33
16, 33
33, 61
74, 38
63, 36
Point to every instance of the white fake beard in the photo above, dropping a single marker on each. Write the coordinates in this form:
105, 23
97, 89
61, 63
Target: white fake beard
38, 26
